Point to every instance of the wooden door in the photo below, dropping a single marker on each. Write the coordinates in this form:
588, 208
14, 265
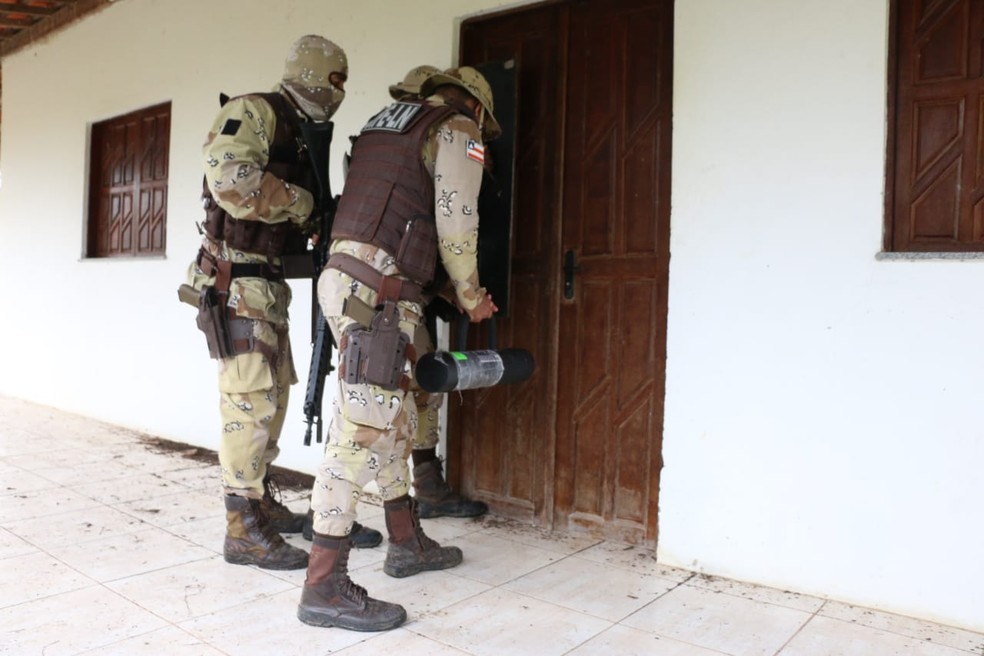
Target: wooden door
578, 446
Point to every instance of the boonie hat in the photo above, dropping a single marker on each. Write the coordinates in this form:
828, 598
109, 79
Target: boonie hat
412, 81
474, 83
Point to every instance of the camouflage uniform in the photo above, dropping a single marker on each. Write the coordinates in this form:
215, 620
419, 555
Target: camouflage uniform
372, 426
254, 387
372, 429
256, 212
434, 496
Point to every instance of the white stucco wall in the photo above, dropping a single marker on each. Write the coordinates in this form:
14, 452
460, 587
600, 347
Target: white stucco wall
822, 423
821, 428
108, 338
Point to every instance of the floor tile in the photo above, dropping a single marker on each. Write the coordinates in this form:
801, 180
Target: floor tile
41, 503
20, 442
422, 594
127, 555
785, 598
719, 621
139, 458
907, 626
17, 481
825, 636
193, 589
203, 478
208, 532
12, 545
592, 588
403, 642
636, 559
268, 625
176, 508
626, 641
535, 537
105, 471
133, 565
83, 525
70, 623
447, 530
37, 575
169, 640
500, 623
54, 455
132, 488
495, 561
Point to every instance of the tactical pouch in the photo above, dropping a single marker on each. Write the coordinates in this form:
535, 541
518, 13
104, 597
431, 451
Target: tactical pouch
417, 254
377, 355
213, 321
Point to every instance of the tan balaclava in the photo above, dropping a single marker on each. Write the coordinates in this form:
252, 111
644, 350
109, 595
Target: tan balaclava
310, 64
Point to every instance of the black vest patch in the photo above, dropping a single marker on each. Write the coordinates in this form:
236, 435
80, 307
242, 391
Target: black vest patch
397, 118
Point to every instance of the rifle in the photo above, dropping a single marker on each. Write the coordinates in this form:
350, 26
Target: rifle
317, 138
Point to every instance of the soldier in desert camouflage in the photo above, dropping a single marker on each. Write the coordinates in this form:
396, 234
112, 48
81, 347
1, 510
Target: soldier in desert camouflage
409, 211
259, 192
434, 496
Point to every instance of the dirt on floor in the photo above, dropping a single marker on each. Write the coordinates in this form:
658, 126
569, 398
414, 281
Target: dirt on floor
287, 479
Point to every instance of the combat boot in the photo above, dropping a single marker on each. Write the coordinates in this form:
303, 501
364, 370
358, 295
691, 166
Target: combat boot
362, 537
410, 551
435, 497
251, 541
330, 598
279, 516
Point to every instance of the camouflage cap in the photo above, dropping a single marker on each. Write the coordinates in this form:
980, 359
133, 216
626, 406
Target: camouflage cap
410, 86
476, 85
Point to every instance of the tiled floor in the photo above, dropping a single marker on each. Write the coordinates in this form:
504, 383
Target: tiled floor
108, 546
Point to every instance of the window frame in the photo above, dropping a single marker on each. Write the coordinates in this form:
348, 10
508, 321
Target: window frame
127, 184
895, 242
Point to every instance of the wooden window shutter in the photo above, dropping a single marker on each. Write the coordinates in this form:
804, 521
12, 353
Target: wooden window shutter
935, 185
128, 184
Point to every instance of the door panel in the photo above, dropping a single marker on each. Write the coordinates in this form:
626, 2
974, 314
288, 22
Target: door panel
501, 438
578, 446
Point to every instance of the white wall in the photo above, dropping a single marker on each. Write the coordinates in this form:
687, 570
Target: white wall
823, 426
108, 338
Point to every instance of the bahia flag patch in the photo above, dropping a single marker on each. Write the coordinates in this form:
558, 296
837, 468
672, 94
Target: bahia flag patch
476, 151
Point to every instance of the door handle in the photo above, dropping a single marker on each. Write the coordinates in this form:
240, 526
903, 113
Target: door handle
570, 266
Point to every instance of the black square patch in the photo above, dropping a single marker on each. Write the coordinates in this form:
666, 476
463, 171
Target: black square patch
231, 126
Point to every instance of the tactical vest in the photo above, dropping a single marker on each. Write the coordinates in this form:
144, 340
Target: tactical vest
288, 161
389, 195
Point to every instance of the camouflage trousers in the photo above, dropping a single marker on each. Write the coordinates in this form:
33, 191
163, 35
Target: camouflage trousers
254, 388
428, 432
372, 429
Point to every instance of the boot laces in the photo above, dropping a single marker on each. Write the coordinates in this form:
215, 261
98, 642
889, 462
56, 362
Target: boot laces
442, 484
263, 522
350, 589
271, 487
355, 592
425, 540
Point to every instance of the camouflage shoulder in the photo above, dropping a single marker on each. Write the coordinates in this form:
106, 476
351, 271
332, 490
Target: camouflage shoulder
249, 109
465, 125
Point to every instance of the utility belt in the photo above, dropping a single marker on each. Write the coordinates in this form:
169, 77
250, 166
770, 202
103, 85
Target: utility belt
224, 270
374, 350
226, 333
388, 288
